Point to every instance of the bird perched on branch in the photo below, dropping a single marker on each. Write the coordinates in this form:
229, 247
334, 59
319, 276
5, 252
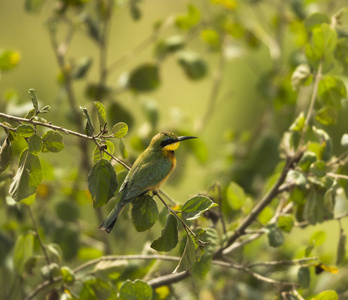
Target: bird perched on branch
150, 170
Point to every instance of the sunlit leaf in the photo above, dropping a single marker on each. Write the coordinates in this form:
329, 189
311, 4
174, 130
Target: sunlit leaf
89, 130
102, 182
101, 113
194, 207
327, 116
68, 275
324, 41
28, 176
137, 289
286, 223
190, 19
169, 236
8, 59
25, 130
119, 130
235, 195
110, 147
144, 213
331, 91
326, 295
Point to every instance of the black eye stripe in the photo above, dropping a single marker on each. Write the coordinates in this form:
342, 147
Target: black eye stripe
167, 142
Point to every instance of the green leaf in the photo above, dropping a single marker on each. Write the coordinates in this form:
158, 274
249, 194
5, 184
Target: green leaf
194, 207
50, 271
145, 78
45, 109
189, 20
235, 195
102, 182
314, 209
324, 41
325, 144
53, 141
95, 288
33, 6
101, 113
326, 295
5, 154
82, 67
327, 115
110, 147
25, 130
306, 160
144, 213
275, 236
97, 91
67, 210
169, 236
296, 178
119, 130
150, 109
300, 75
212, 38
304, 277
8, 59
193, 65
315, 20
318, 238
318, 168
341, 249
188, 258
34, 100
68, 275
30, 114
35, 144
286, 223
23, 250
135, 11
331, 91
136, 290
341, 54
28, 176
344, 140
89, 130
169, 45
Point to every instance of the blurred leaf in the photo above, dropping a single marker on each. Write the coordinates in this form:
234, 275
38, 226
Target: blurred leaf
344, 140
235, 195
314, 209
95, 288
324, 40
212, 38
318, 168
68, 238
327, 116
341, 249
286, 223
82, 67
23, 250
169, 45
89, 253
54, 252
5, 154
50, 271
188, 258
318, 238
137, 289
135, 10
304, 277
119, 130
89, 130
93, 28
326, 295
8, 59
67, 210
306, 160
331, 91
199, 149
144, 213
101, 113
97, 91
68, 275
52, 141
275, 236
325, 144
102, 182
117, 113
298, 123
296, 178
28, 176
33, 6
341, 54
25, 130
194, 207
145, 78
35, 144
34, 100
315, 20
150, 109
193, 65
110, 147
300, 75
169, 236
189, 20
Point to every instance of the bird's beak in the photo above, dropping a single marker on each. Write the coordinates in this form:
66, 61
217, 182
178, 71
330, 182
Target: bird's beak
183, 138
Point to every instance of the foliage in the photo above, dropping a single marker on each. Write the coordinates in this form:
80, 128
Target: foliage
285, 173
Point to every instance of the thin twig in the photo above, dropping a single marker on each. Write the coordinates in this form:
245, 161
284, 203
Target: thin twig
299, 261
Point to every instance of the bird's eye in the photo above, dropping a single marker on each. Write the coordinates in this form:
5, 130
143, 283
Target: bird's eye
167, 142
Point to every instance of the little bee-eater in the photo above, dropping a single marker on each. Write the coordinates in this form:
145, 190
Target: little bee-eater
150, 170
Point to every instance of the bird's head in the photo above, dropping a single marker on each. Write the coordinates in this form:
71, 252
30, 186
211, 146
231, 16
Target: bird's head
168, 141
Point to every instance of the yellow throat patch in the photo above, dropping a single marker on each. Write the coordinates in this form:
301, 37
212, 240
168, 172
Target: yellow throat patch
172, 147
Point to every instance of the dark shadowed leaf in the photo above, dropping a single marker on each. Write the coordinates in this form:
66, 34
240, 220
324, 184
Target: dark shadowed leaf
28, 176
169, 236
193, 65
5, 154
144, 78
82, 67
23, 250
304, 277
275, 236
35, 144
341, 249
144, 213
102, 182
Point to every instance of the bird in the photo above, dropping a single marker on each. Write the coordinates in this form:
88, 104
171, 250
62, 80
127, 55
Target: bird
148, 173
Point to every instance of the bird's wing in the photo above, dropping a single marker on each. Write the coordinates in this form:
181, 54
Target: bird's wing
144, 178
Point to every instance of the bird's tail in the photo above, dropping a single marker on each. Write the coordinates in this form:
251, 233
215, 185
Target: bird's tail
111, 219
